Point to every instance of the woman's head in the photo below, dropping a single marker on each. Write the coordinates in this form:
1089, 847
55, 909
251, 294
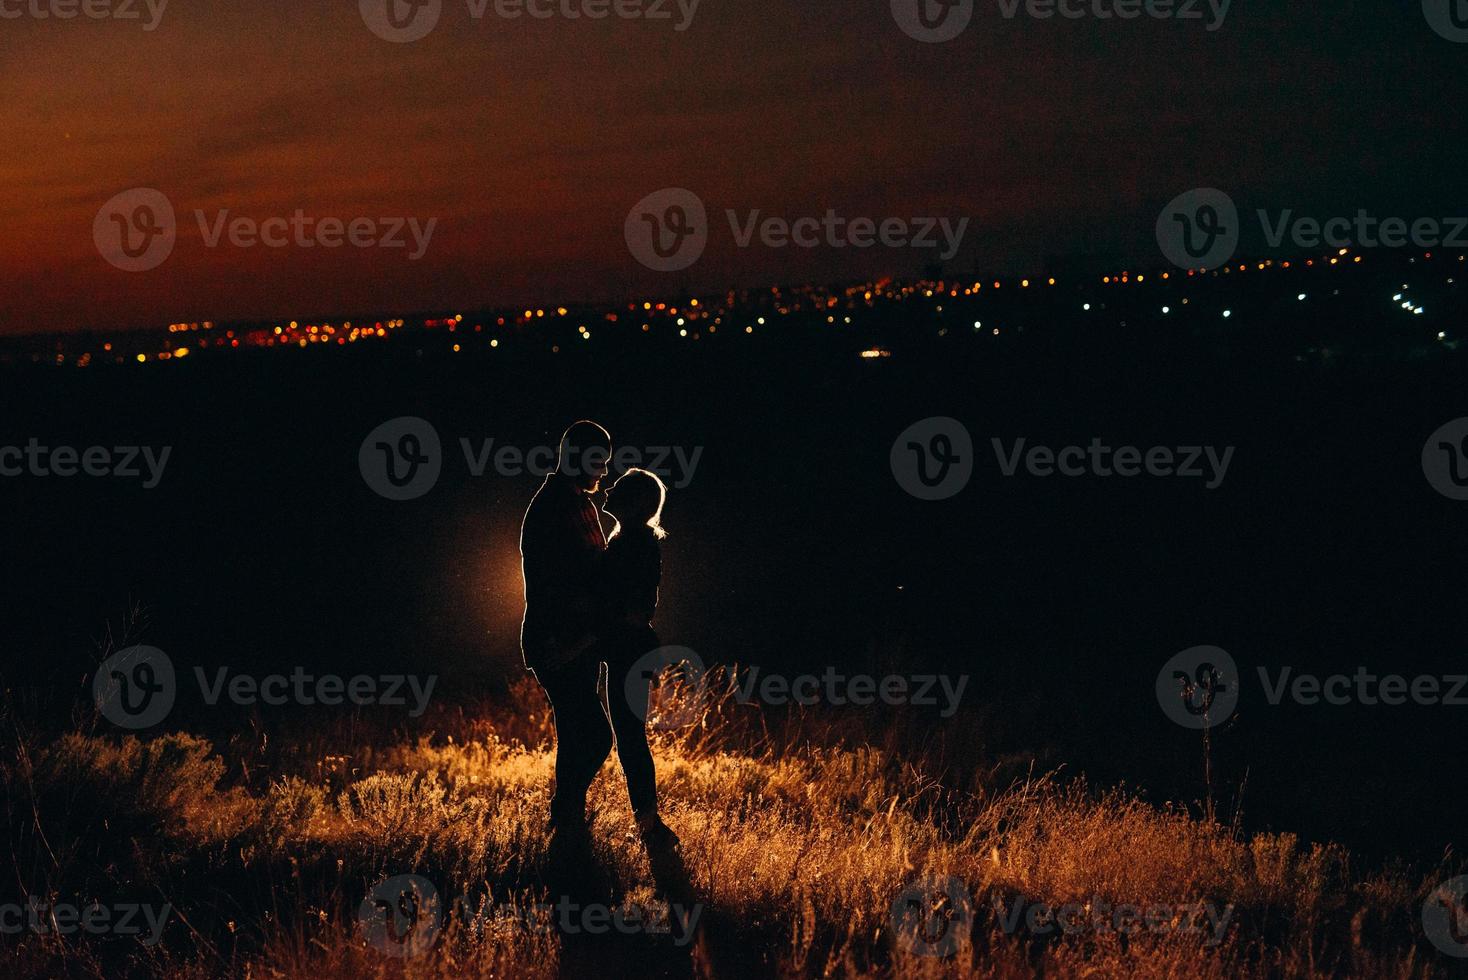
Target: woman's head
636, 500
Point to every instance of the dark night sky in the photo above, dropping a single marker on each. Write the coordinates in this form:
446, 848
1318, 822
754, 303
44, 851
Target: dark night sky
529, 140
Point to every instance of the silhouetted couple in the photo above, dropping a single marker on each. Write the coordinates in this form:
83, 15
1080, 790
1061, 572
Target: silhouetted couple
589, 601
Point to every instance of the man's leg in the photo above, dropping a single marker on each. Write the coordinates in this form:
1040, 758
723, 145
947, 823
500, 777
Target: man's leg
583, 737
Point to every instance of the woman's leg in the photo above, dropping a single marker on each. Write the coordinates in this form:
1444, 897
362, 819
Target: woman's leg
627, 698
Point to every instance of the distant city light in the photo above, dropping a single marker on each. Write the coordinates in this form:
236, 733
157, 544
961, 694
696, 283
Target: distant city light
804, 305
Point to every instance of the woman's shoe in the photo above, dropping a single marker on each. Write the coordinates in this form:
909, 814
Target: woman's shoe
655, 834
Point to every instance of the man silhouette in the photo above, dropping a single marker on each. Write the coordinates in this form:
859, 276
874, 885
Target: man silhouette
560, 542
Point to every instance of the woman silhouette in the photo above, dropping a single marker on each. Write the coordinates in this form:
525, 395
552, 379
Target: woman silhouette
631, 570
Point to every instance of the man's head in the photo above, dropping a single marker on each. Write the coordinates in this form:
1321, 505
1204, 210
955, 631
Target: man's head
585, 451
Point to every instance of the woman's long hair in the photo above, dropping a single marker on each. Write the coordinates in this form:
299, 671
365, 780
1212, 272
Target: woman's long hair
641, 492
